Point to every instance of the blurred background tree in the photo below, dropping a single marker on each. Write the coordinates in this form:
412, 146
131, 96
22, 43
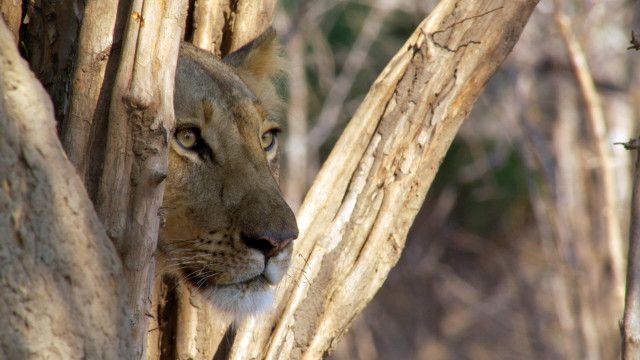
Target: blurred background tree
510, 257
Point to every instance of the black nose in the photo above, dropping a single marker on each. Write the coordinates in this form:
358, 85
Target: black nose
266, 222
268, 243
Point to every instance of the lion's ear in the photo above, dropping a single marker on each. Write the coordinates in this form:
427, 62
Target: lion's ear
258, 63
259, 58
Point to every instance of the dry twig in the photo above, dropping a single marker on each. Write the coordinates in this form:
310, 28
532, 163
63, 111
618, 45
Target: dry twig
635, 43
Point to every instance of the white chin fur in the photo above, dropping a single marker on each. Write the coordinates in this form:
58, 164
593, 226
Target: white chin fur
239, 302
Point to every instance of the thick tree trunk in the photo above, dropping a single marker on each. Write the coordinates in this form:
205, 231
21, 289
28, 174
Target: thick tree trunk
61, 295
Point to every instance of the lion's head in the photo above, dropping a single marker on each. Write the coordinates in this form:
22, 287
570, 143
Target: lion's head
227, 230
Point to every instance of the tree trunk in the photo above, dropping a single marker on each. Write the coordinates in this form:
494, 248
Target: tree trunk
140, 121
60, 274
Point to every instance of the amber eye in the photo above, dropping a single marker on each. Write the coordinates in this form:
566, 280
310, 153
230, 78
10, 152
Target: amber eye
269, 140
187, 138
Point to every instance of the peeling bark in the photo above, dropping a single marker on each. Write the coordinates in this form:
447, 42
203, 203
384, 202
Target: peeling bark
140, 121
62, 294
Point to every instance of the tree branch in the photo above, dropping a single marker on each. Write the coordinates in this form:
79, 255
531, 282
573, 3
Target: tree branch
631, 325
355, 218
84, 129
62, 294
598, 129
140, 121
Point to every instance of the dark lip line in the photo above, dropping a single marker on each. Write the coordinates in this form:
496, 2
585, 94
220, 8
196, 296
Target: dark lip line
198, 282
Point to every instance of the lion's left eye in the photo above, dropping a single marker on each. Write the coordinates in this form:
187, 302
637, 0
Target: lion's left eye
187, 138
269, 140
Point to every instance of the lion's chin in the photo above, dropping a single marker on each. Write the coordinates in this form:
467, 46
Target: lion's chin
241, 300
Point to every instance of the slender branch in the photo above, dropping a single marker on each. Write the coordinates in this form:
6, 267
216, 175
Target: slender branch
631, 325
296, 165
332, 106
598, 129
84, 127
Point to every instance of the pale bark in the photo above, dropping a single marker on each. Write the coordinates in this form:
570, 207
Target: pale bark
355, 218
252, 18
296, 166
11, 11
62, 296
140, 121
222, 26
84, 128
209, 18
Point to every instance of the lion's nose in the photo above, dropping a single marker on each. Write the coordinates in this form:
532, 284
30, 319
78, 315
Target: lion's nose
266, 224
268, 243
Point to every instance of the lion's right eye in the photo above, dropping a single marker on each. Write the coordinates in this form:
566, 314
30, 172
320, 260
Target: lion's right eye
187, 138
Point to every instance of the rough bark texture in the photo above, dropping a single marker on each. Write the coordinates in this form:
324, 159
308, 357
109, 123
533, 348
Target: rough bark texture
355, 218
140, 121
62, 295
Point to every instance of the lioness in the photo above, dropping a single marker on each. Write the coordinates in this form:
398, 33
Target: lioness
227, 230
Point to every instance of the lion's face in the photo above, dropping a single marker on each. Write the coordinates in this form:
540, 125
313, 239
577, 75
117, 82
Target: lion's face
227, 230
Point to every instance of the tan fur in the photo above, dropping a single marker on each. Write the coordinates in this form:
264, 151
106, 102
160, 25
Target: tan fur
223, 199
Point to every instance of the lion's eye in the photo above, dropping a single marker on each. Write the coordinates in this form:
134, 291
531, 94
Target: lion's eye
269, 140
187, 138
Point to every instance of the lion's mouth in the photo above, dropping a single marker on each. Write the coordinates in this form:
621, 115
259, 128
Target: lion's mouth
202, 281
248, 295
